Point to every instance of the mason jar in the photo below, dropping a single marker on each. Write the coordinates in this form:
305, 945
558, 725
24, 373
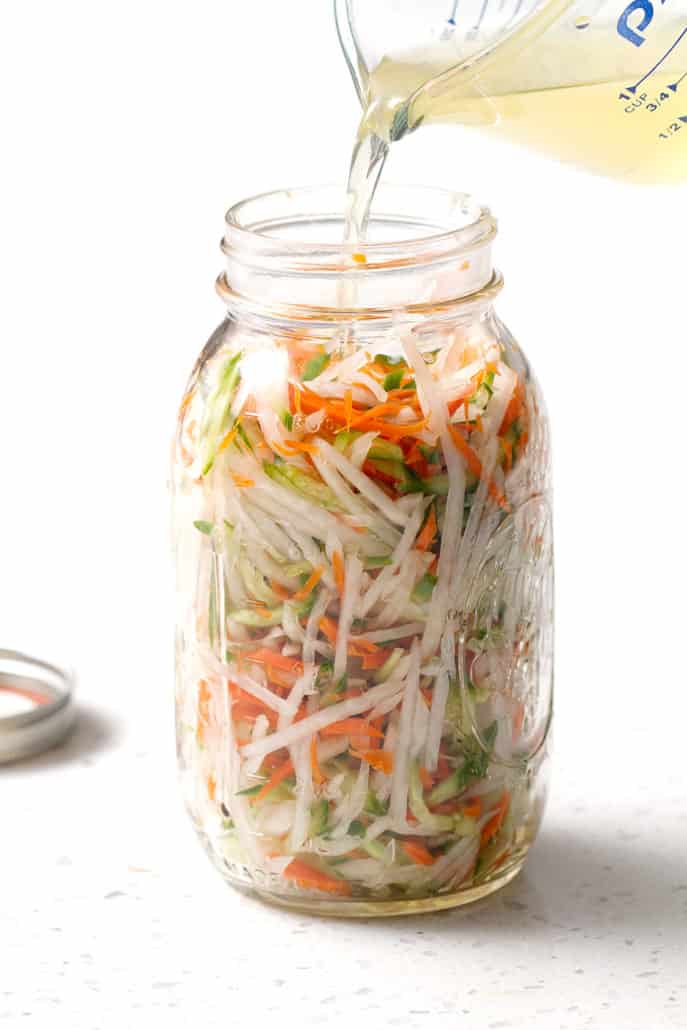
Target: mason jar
363, 546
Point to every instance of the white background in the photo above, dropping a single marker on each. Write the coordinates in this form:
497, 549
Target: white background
125, 131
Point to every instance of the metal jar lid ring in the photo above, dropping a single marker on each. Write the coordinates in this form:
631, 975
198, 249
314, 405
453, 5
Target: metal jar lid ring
49, 691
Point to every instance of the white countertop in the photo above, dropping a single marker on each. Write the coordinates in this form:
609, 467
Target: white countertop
113, 916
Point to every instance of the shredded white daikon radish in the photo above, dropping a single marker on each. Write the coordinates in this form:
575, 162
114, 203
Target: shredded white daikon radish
353, 572
314, 723
399, 782
363, 483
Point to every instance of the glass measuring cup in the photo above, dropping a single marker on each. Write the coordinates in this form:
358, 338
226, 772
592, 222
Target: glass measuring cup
600, 84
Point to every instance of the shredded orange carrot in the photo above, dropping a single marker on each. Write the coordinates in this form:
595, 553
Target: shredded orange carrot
278, 661
359, 259
501, 859
275, 779
243, 713
362, 646
426, 778
508, 453
387, 408
363, 386
418, 853
329, 628
458, 401
279, 590
351, 728
475, 466
379, 759
291, 447
518, 720
385, 479
277, 678
229, 438
237, 694
301, 713
348, 408
212, 786
185, 401
396, 430
375, 371
515, 406
414, 455
203, 722
361, 649
241, 481
306, 876
339, 574
261, 609
425, 537
274, 760
494, 825
317, 774
408, 396
473, 808
281, 449
311, 402
309, 585
376, 661
344, 413
452, 807
245, 703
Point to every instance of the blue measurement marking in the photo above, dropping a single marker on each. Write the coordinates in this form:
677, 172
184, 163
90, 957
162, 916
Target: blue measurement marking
452, 16
633, 89
674, 85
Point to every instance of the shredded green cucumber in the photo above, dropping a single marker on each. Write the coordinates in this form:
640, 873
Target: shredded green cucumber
416, 802
423, 588
390, 664
315, 367
319, 817
382, 449
218, 410
295, 479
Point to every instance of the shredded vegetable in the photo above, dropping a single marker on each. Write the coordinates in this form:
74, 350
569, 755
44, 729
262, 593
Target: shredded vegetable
356, 723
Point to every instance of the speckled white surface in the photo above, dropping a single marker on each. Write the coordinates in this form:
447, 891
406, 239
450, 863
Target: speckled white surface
113, 917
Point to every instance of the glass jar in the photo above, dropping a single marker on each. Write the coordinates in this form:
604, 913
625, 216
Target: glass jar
363, 543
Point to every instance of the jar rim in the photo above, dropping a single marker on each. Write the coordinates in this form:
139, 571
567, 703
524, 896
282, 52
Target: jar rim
426, 251
437, 220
